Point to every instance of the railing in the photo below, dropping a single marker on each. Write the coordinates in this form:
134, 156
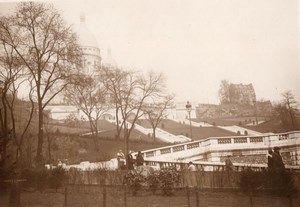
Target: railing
204, 166
212, 166
228, 143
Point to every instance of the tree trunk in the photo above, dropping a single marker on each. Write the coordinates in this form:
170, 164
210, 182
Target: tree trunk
117, 122
39, 151
154, 135
49, 149
126, 139
94, 133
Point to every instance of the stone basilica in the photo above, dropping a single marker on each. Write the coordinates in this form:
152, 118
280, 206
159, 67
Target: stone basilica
93, 61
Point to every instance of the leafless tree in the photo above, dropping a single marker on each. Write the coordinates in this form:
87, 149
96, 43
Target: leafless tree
115, 80
291, 106
48, 48
130, 92
157, 111
11, 78
89, 95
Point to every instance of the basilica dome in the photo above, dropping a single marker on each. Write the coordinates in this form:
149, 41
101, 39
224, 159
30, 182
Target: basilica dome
89, 46
87, 40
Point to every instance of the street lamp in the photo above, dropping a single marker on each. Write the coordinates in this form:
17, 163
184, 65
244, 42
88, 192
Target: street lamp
188, 107
255, 111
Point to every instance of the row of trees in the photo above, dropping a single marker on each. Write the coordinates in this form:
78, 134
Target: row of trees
40, 58
38, 50
131, 94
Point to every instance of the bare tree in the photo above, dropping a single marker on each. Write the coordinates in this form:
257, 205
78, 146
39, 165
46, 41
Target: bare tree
11, 78
89, 95
157, 111
130, 92
115, 80
224, 94
48, 49
291, 106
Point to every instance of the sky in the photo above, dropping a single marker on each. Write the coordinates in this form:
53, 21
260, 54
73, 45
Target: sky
198, 43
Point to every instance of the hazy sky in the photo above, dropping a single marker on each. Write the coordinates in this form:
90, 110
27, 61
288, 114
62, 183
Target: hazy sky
198, 43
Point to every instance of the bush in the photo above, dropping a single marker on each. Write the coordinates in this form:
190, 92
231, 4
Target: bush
168, 179
165, 179
134, 181
153, 181
57, 177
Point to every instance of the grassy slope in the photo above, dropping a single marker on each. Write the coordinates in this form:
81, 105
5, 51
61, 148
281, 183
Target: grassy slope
68, 145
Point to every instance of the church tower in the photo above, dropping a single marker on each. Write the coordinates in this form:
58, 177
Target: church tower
88, 44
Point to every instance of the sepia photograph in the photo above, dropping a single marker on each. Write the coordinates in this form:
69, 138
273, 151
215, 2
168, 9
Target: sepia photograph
138, 103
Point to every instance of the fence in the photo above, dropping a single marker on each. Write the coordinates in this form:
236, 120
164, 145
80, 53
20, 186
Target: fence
201, 179
110, 196
194, 189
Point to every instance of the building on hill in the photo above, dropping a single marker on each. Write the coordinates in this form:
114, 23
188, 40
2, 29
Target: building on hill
261, 108
264, 108
90, 49
242, 94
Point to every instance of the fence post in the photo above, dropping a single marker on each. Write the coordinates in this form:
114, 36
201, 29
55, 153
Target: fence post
290, 200
15, 193
188, 196
125, 197
104, 196
250, 199
197, 197
66, 193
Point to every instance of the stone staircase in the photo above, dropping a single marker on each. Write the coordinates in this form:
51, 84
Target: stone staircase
242, 130
193, 123
161, 134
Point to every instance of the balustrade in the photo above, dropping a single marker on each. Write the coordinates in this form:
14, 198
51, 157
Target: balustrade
150, 154
209, 166
178, 148
207, 144
165, 151
193, 145
240, 140
224, 141
256, 139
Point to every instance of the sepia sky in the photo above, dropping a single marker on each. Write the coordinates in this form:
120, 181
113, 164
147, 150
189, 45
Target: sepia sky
198, 43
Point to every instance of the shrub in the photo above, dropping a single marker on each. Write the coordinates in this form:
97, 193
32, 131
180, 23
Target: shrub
165, 179
57, 177
168, 177
134, 181
153, 181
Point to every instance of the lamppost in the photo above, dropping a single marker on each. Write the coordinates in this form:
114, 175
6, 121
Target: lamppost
255, 111
188, 107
